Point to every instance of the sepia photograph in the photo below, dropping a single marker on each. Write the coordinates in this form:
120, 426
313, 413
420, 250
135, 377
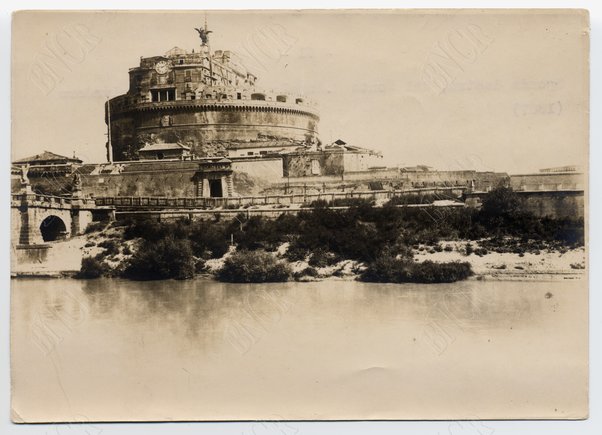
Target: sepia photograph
301, 215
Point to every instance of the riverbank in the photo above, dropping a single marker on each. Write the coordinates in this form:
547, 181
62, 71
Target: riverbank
64, 259
494, 265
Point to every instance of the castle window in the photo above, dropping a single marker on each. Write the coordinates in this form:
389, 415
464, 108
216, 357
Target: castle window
238, 96
159, 95
299, 100
181, 62
250, 153
260, 97
281, 98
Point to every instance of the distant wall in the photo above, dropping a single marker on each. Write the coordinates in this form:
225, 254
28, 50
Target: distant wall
548, 181
252, 176
554, 204
391, 179
140, 179
560, 205
172, 178
269, 169
361, 161
172, 183
316, 163
481, 180
554, 194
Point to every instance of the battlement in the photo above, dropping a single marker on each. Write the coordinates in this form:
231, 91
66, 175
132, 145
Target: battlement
235, 100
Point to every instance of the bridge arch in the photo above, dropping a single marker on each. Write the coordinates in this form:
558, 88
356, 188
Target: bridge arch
53, 228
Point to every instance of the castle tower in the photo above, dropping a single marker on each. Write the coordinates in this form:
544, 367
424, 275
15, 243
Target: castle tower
208, 102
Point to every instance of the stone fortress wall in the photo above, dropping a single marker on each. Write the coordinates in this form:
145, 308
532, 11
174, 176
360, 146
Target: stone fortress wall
557, 195
171, 178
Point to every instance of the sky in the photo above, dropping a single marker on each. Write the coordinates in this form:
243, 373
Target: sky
486, 91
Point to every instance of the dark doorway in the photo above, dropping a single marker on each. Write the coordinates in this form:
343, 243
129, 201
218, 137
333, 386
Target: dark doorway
53, 228
215, 188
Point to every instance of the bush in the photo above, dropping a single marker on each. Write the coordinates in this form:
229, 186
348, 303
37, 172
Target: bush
393, 270
322, 258
208, 239
500, 202
252, 267
91, 268
148, 229
110, 247
199, 265
296, 253
469, 249
255, 233
308, 271
164, 259
95, 227
480, 252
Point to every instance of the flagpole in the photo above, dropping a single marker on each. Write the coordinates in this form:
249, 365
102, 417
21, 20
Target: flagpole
109, 144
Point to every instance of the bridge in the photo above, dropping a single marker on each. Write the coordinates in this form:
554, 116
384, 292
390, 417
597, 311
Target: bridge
38, 219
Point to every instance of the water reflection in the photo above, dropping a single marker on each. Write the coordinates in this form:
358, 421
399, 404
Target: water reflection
189, 342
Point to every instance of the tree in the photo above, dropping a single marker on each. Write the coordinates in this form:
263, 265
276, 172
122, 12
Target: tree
502, 202
163, 259
253, 266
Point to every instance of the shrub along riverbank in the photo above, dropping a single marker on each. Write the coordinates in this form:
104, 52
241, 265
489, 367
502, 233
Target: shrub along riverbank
379, 238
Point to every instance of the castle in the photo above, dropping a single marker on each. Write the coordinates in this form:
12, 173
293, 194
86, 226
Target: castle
207, 103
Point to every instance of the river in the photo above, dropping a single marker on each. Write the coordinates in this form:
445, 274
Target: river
112, 349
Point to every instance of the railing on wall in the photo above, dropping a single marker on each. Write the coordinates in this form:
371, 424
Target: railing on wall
39, 198
51, 201
149, 202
